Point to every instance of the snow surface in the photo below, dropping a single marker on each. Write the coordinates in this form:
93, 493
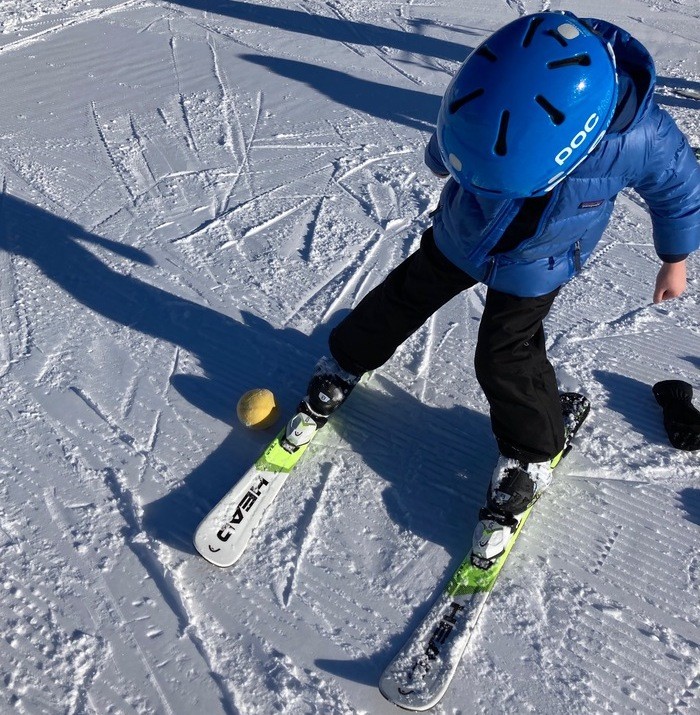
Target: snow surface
193, 193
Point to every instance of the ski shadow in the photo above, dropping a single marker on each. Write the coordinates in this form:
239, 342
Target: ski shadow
693, 360
690, 501
676, 83
409, 107
635, 401
337, 29
232, 354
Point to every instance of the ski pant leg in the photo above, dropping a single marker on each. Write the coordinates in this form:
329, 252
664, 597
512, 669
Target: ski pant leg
517, 378
396, 308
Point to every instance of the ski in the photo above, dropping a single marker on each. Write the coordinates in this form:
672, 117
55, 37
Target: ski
225, 531
420, 673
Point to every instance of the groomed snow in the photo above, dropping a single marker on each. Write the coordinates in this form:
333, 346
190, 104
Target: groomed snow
193, 193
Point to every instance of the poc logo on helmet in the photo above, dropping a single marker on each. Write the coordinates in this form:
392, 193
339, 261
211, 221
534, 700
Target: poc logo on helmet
578, 139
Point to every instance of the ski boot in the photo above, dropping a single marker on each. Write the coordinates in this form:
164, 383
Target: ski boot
574, 409
516, 485
328, 389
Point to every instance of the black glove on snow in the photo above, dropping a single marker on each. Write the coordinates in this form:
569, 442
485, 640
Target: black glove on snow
681, 419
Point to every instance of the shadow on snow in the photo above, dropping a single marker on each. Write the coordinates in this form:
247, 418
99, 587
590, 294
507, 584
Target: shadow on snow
337, 29
410, 107
223, 346
426, 489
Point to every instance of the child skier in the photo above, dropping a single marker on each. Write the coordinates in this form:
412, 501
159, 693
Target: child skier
540, 129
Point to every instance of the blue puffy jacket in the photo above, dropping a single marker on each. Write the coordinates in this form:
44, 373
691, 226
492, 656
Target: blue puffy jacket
643, 149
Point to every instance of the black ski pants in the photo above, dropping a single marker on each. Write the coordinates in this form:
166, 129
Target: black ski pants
510, 358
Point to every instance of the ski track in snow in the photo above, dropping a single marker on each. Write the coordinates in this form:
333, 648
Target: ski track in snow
195, 192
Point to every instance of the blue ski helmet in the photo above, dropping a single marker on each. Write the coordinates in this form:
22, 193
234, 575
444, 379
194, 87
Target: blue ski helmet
527, 106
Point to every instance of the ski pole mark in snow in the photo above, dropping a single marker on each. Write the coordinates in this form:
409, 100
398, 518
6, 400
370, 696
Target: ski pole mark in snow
142, 150
245, 148
228, 214
305, 532
207, 643
356, 270
518, 6
380, 52
226, 100
115, 164
189, 135
426, 356
143, 451
346, 23
275, 219
14, 338
428, 351
79, 19
363, 165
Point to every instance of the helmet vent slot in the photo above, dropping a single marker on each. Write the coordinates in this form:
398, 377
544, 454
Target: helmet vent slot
558, 37
459, 103
501, 146
486, 53
581, 60
555, 115
532, 28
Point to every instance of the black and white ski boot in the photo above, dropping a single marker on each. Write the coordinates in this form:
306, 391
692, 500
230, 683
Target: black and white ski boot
574, 409
328, 389
516, 485
491, 536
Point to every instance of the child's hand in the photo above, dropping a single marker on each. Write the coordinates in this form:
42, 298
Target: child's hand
670, 281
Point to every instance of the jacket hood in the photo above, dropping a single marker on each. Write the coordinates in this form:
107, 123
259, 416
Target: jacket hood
636, 73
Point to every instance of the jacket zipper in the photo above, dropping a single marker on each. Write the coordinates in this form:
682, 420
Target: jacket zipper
577, 256
489, 272
548, 210
501, 220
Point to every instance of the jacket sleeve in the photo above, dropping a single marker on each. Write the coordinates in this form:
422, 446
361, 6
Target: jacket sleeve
433, 159
670, 184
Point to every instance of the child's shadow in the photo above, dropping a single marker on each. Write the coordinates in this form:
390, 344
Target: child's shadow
232, 354
436, 460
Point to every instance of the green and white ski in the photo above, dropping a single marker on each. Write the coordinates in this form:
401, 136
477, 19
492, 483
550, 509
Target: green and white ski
420, 673
225, 531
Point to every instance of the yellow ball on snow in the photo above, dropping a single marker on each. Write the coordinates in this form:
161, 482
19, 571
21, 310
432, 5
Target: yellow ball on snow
257, 409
